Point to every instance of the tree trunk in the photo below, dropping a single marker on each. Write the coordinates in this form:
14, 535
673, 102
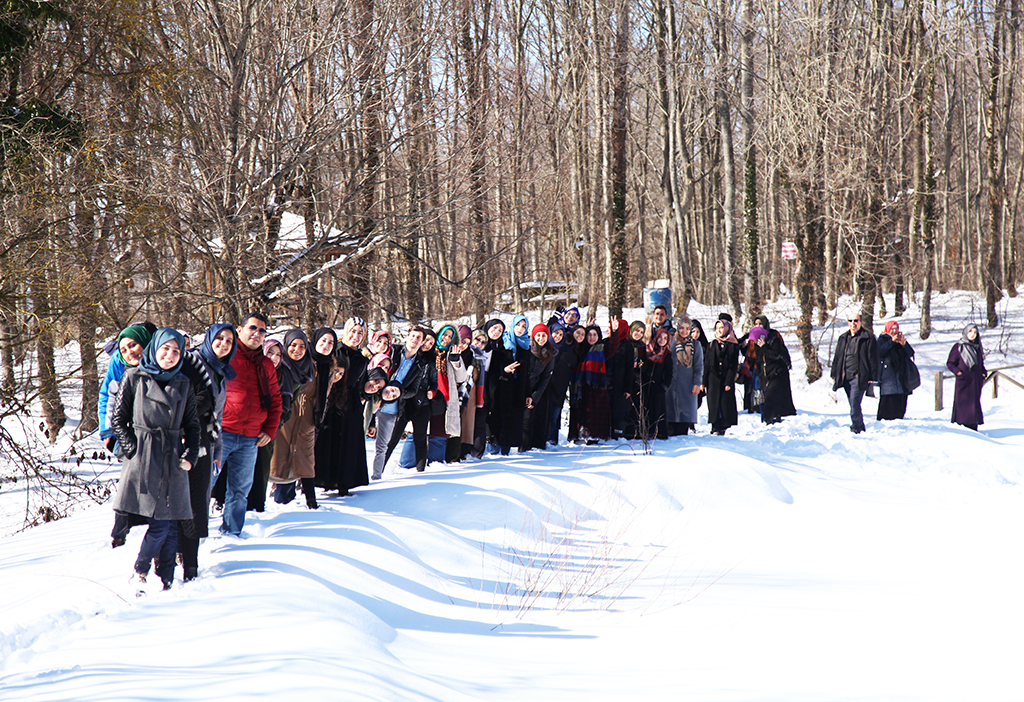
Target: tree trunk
619, 254
751, 287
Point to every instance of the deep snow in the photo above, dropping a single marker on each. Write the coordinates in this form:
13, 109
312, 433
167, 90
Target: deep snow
793, 562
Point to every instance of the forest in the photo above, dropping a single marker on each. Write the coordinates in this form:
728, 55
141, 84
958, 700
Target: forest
188, 160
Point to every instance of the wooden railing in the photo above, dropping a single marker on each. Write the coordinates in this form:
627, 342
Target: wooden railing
994, 375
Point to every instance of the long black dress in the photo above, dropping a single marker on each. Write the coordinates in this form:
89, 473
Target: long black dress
341, 442
507, 393
720, 365
771, 363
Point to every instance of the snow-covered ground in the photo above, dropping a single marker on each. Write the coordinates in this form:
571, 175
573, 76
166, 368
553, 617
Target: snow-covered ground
792, 562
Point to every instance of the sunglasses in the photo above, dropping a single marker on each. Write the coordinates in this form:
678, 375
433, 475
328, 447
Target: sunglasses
853, 321
256, 330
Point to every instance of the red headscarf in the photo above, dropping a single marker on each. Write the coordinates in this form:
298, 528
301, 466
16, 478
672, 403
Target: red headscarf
889, 326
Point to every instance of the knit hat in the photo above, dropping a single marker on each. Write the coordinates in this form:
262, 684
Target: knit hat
537, 328
465, 332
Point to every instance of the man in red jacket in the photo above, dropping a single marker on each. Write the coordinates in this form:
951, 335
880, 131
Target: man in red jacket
252, 412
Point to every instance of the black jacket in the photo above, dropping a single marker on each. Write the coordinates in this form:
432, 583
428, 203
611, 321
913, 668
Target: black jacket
867, 359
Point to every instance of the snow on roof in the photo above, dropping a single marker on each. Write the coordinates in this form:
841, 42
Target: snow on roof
292, 237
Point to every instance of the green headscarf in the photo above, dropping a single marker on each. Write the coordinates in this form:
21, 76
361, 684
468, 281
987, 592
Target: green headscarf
137, 333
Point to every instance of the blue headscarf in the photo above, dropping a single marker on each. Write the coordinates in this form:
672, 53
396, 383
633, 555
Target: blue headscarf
560, 344
148, 362
221, 366
509, 338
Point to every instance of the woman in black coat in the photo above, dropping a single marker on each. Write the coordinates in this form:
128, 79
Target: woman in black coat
561, 376
720, 364
535, 415
656, 377
208, 368
895, 354
771, 362
507, 378
341, 441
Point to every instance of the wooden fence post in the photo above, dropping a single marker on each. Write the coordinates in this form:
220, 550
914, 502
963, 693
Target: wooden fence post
938, 390
995, 385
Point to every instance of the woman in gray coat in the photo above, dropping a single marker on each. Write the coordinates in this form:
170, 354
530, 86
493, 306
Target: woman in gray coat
157, 426
687, 372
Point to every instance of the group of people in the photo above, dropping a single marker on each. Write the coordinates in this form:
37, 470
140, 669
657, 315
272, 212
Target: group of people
862, 362
241, 415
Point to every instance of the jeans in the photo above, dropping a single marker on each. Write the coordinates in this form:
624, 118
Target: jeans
385, 428
238, 460
855, 393
161, 543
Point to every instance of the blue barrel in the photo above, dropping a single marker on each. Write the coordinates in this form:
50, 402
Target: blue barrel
657, 296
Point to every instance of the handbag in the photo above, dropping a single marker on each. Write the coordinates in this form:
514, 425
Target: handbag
911, 377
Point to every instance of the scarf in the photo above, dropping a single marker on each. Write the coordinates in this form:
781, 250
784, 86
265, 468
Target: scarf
617, 337
255, 357
656, 353
511, 341
269, 344
324, 365
137, 333
684, 352
299, 372
592, 371
148, 362
440, 333
702, 337
727, 335
565, 314
221, 366
970, 351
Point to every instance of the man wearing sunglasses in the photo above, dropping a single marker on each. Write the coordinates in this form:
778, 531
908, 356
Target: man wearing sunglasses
252, 412
855, 367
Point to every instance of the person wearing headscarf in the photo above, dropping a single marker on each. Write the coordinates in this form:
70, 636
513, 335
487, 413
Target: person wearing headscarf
450, 371
577, 341
538, 402
317, 375
510, 359
895, 354
257, 500
481, 360
687, 374
619, 366
208, 369
295, 369
592, 383
125, 352
656, 378
566, 360
967, 364
571, 317
719, 381
637, 353
341, 445
770, 363
468, 391
157, 427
